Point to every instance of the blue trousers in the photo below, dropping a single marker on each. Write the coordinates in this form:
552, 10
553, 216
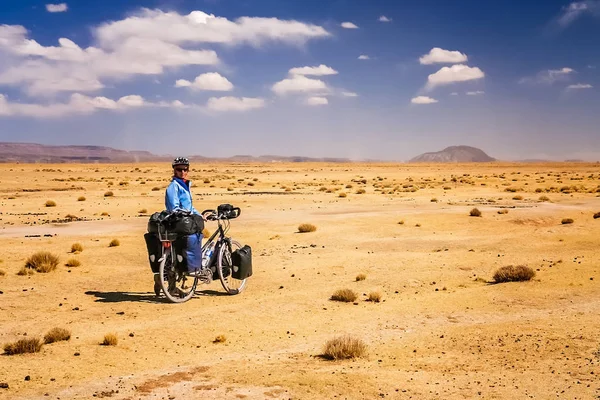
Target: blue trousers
194, 252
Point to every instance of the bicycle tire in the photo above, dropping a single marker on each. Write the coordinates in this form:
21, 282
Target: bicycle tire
231, 285
175, 284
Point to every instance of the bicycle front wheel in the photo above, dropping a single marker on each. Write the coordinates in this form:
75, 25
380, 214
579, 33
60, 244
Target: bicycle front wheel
224, 268
176, 286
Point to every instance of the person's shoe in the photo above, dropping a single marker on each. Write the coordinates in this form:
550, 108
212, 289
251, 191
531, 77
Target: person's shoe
157, 286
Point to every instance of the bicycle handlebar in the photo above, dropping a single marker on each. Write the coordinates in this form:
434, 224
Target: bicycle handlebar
211, 215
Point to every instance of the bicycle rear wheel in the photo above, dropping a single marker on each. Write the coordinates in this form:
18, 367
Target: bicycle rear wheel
176, 286
224, 267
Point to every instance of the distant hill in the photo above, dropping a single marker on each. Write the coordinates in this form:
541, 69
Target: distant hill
458, 154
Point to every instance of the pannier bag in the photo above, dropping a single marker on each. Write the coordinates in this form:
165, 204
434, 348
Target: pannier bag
154, 250
242, 263
177, 222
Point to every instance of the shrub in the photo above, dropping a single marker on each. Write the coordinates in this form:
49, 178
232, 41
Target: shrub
81, 198
503, 211
109, 194
220, 339
344, 347
566, 221
57, 335
114, 243
25, 271
401, 222
360, 277
323, 189
544, 198
361, 191
71, 217
512, 273
28, 345
42, 261
143, 211
597, 215
374, 297
303, 228
110, 339
2, 272
76, 248
155, 189
475, 213
104, 214
344, 295
73, 262
342, 194
50, 203
518, 197
434, 200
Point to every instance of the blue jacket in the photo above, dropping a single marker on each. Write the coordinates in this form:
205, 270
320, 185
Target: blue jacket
179, 196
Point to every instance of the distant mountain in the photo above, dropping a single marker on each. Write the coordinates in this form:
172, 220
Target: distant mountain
457, 154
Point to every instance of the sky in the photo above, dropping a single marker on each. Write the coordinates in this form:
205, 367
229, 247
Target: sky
377, 79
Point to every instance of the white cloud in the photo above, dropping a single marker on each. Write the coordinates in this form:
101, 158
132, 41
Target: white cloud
349, 94
475, 93
455, 73
54, 8
438, 55
454, 94
208, 81
548, 77
580, 86
574, 10
299, 84
348, 25
315, 71
383, 18
234, 103
364, 57
423, 100
317, 101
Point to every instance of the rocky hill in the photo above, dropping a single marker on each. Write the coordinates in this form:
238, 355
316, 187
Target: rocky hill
458, 154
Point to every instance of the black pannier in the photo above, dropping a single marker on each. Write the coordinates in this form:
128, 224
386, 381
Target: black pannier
180, 223
242, 263
154, 250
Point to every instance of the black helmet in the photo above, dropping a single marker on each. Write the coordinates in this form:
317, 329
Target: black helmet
180, 161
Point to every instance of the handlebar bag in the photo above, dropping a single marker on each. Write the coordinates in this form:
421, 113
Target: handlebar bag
226, 210
242, 263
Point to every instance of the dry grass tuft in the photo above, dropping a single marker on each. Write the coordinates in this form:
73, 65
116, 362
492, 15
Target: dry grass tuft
434, 200
42, 261
303, 228
360, 277
342, 194
2, 272
518, 197
220, 339
73, 262
512, 273
109, 194
25, 271
21, 346
57, 335
104, 214
544, 198
155, 189
566, 221
71, 217
344, 295
475, 213
50, 203
110, 339
401, 222
374, 297
81, 198
361, 191
143, 211
114, 243
503, 211
76, 248
344, 347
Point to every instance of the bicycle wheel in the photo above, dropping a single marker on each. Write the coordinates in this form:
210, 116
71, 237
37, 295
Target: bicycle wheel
176, 286
224, 265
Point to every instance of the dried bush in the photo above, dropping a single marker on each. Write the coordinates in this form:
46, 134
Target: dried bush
401, 222
344, 295
361, 277
109, 194
73, 262
2, 272
104, 214
544, 198
434, 200
344, 347
519, 197
155, 189
143, 211
50, 203
361, 191
342, 194
475, 213
566, 221
42, 261
71, 217
25, 271
57, 335
76, 248
303, 228
81, 198
21, 346
512, 273
114, 243
374, 297
503, 211
220, 339
110, 339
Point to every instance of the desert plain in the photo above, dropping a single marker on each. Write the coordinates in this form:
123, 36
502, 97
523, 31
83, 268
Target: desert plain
443, 329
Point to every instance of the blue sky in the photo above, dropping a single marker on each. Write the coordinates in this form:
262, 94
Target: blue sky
340, 78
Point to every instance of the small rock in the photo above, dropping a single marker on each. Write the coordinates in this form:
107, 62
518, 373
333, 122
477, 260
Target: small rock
3, 385
121, 313
27, 378
77, 354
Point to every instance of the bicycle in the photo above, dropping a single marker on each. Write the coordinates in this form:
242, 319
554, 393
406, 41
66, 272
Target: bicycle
175, 282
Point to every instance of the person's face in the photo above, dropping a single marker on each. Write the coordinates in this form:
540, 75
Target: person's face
181, 171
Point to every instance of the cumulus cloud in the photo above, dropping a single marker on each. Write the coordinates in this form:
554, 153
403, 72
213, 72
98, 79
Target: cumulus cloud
364, 57
208, 81
455, 73
229, 103
574, 10
317, 101
438, 55
423, 100
55, 8
549, 76
314, 71
475, 93
383, 18
580, 86
299, 84
349, 94
348, 25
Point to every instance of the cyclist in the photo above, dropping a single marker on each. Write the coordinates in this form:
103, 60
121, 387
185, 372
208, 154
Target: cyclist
178, 196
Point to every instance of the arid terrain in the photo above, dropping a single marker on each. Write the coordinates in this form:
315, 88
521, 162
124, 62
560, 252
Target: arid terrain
442, 330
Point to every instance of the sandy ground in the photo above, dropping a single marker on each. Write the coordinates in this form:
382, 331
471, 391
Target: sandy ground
441, 331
